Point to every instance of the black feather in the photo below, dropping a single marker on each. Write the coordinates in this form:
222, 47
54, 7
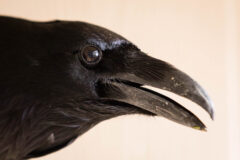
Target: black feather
46, 91
50, 95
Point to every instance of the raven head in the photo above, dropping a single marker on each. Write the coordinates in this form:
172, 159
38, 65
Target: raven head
107, 72
65, 77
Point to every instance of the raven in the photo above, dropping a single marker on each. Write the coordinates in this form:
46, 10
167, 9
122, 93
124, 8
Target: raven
61, 78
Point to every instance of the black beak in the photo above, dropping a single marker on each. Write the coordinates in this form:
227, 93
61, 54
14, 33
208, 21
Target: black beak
144, 70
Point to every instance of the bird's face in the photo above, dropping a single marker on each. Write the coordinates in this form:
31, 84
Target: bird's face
103, 73
58, 79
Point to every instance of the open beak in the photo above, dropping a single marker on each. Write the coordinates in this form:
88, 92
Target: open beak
145, 70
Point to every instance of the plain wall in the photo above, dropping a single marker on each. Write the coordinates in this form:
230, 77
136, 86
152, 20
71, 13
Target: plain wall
200, 37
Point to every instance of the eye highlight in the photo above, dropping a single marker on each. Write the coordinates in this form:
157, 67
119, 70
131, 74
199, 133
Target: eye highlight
91, 55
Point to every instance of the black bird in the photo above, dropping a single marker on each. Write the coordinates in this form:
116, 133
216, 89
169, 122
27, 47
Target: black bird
60, 78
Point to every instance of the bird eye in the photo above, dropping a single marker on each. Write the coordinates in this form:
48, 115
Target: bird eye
91, 54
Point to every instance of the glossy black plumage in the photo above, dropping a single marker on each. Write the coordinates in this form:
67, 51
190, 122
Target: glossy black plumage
49, 96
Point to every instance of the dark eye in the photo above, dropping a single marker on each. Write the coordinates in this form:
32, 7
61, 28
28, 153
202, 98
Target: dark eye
91, 54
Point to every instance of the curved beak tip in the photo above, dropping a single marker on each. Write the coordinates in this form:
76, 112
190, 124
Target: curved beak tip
200, 128
212, 110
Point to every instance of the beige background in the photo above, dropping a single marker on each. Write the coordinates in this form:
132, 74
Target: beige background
201, 37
